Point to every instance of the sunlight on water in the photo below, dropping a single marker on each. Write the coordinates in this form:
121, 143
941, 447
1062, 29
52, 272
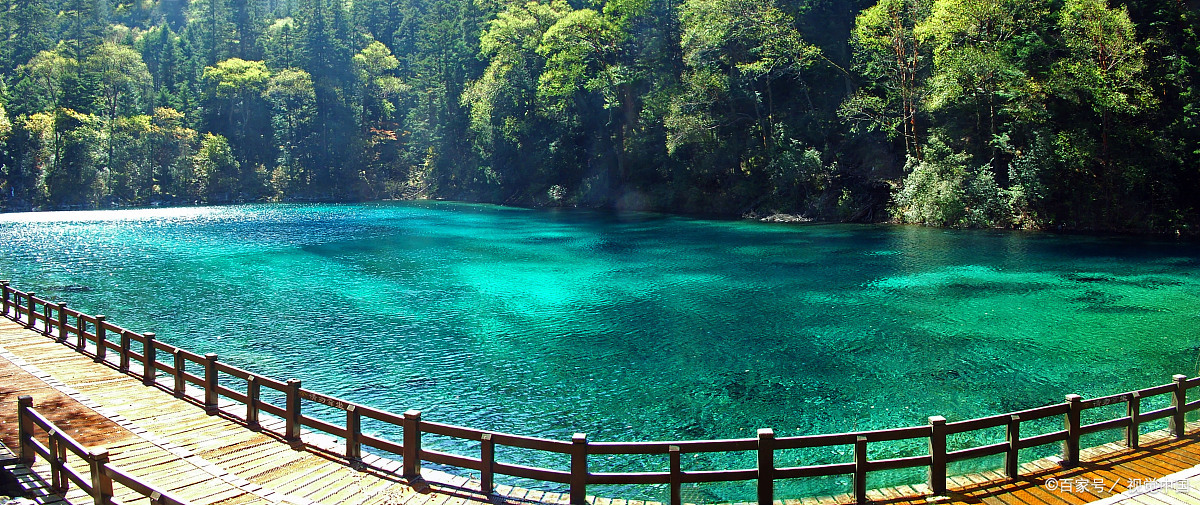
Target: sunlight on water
632, 327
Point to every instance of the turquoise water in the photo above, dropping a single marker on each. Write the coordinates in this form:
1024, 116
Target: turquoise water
632, 327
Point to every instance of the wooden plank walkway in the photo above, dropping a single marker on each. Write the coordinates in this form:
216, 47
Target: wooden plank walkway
212, 460
175, 445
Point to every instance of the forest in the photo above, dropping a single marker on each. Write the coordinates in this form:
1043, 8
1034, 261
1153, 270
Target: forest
1040, 114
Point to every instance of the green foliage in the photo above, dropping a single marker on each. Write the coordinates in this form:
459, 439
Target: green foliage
733, 52
294, 103
977, 68
27, 29
236, 87
46, 75
506, 90
891, 59
376, 67
1104, 58
1027, 113
576, 48
216, 170
944, 190
279, 43
81, 27
212, 28
237, 77
5, 124
800, 176
121, 76
71, 154
171, 147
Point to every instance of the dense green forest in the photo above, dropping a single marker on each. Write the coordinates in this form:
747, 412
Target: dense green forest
1075, 114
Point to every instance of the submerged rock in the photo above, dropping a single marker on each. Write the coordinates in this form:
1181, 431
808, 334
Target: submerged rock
786, 218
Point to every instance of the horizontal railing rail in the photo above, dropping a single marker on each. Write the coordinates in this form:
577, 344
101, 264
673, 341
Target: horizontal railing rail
60, 449
204, 379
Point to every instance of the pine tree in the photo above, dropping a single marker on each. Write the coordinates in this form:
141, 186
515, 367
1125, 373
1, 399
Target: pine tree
248, 28
323, 27
28, 25
213, 28
81, 27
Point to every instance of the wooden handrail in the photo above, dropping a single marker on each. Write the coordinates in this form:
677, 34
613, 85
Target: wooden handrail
98, 483
21, 307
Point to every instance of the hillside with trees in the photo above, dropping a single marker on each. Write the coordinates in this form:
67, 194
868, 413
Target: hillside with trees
1072, 114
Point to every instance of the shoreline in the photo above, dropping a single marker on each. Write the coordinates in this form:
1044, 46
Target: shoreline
792, 219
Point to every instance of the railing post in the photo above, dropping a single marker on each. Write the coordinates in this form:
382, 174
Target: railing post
353, 435
124, 365
292, 416
25, 429
860, 470
102, 488
29, 310
1178, 400
1071, 444
210, 384
149, 360
487, 456
1013, 436
46, 308
80, 333
62, 322
180, 389
412, 444
1133, 409
4, 292
676, 475
579, 469
57, 449
252, 394
63, 483
101, 340
766, 466
937, 455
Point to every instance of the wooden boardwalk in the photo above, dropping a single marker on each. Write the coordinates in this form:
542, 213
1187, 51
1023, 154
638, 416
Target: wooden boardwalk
175, 445
206, 459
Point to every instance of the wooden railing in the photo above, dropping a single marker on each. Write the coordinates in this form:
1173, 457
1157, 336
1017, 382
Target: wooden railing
97, 482
96, 336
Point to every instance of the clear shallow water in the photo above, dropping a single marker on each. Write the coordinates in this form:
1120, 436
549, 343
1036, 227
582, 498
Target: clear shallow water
633, 327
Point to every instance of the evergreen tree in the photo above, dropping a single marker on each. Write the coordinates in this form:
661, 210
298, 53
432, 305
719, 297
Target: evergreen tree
323, 31
213, 30
82, 26
27, 29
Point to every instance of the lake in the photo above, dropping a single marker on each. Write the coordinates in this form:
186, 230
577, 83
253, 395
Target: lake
632, 326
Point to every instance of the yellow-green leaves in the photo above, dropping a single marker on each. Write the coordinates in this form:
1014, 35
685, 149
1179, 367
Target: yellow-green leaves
47, 70
974, 49
121, 74
237, 76
504, 94
577, 48
956, 23
753, 35
375, 60
375, 66
291, 90
1105, 58
891, 61
732, 46
216, 169
5, 124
